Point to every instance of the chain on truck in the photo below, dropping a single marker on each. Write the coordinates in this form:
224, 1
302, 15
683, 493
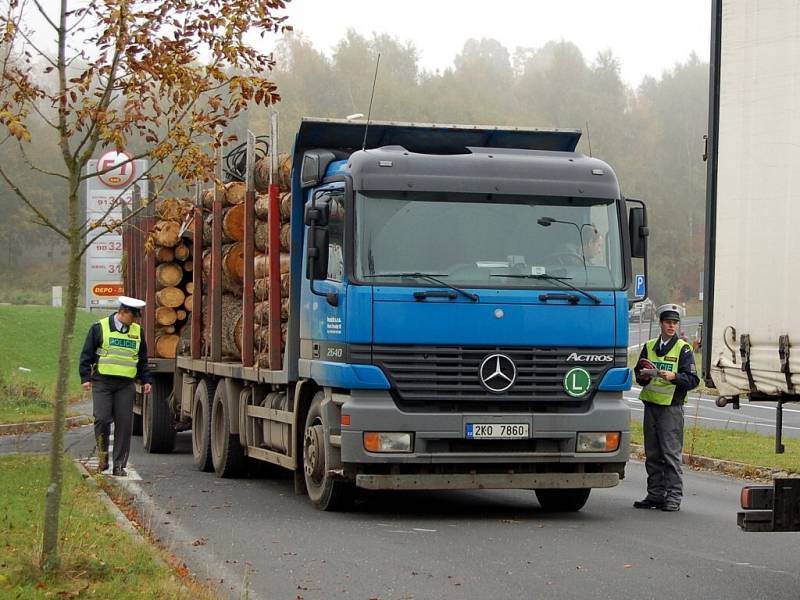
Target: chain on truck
448, 327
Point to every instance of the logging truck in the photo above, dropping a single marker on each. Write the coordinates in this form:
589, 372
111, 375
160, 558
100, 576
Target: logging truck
407, 307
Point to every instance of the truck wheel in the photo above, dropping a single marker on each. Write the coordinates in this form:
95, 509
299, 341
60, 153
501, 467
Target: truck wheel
201, 425
157, 419
325, 492
570, 500
227, 453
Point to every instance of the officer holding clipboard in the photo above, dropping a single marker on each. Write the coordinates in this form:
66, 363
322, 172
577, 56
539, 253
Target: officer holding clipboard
666, 371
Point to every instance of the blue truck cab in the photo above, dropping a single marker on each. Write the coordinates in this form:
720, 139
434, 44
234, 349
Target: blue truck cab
462, 309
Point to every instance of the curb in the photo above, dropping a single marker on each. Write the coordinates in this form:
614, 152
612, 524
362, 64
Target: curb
148, 510
717, 465
42, 426
118, 515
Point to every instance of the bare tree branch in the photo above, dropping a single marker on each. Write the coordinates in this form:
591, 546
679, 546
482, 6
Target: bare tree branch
41, 53
45, 15
37, 169
39, 213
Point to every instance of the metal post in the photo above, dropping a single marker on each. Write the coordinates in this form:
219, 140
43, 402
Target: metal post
274, 248
149, 313
779, 447
249, 254
215, 293
197, 274
135, 246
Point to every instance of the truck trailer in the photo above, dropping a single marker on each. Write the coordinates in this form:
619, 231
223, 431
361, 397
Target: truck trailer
751, 323
457, 319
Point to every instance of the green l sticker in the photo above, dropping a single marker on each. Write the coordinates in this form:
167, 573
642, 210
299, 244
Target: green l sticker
577, 382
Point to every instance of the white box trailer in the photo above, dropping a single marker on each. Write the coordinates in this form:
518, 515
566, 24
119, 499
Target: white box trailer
752, 291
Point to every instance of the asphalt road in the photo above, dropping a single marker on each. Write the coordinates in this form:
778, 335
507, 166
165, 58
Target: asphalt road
490, 544
254, 534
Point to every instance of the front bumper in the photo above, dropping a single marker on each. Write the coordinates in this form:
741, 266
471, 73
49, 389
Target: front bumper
488, 481
439, 438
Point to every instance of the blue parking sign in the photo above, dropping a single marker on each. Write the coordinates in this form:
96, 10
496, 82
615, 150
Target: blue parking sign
640, 287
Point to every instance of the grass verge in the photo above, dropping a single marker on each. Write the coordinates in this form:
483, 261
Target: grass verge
29, 342
736, 446
98, 559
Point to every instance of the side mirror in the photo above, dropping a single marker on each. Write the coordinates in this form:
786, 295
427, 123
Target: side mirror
318, 212
317, 263
309, 171
315, 164
639, 231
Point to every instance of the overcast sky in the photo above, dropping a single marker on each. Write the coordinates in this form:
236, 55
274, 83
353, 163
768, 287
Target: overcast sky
648, 36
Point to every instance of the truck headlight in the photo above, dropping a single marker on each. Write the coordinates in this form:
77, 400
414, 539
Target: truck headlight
601, 441
387, 441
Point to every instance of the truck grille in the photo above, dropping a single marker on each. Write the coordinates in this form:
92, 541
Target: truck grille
446, 377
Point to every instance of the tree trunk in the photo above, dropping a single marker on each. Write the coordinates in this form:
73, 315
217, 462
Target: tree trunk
170, 296
233, 261
180, 314
262, 207
50, 559
229, 284
262, 264
164, 255
262, 174
286, 206
284, 176
167, 233
262, 237
207, 198
182, 251
234, 192
286, 237
189, 288
165, 316
261, 287
168, 275
233, 223
167, 345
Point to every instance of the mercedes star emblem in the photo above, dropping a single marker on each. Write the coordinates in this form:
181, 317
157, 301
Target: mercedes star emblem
497, 373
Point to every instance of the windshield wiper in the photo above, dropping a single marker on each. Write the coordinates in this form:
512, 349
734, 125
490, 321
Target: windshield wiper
430, 277
545, 277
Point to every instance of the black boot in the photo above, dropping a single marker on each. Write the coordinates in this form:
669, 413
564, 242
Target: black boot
648, 503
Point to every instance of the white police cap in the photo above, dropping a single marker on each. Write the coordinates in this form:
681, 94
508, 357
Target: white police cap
669, 311
132, 303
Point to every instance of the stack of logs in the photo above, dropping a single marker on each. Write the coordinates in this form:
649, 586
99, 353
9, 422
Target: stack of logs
174, 280
233, 262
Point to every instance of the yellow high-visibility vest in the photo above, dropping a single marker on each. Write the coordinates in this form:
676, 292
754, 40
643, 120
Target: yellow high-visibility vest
659, 391
119, 353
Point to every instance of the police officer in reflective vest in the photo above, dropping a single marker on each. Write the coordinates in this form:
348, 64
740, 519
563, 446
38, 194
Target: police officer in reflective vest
666, 372
114, 356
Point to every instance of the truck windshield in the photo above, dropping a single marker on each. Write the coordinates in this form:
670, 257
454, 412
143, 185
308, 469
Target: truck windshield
475, 240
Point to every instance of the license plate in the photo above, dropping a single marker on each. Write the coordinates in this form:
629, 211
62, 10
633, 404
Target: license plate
497, 431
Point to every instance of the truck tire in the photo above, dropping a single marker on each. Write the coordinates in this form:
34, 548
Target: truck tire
325, 492
570, 500
136, 426
201, 425
157, 418
227, 454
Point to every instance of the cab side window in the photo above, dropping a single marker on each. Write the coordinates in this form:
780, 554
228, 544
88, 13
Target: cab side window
336, 237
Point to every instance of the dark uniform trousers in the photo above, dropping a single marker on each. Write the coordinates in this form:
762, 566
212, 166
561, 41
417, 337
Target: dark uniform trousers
663, 445
112, 400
